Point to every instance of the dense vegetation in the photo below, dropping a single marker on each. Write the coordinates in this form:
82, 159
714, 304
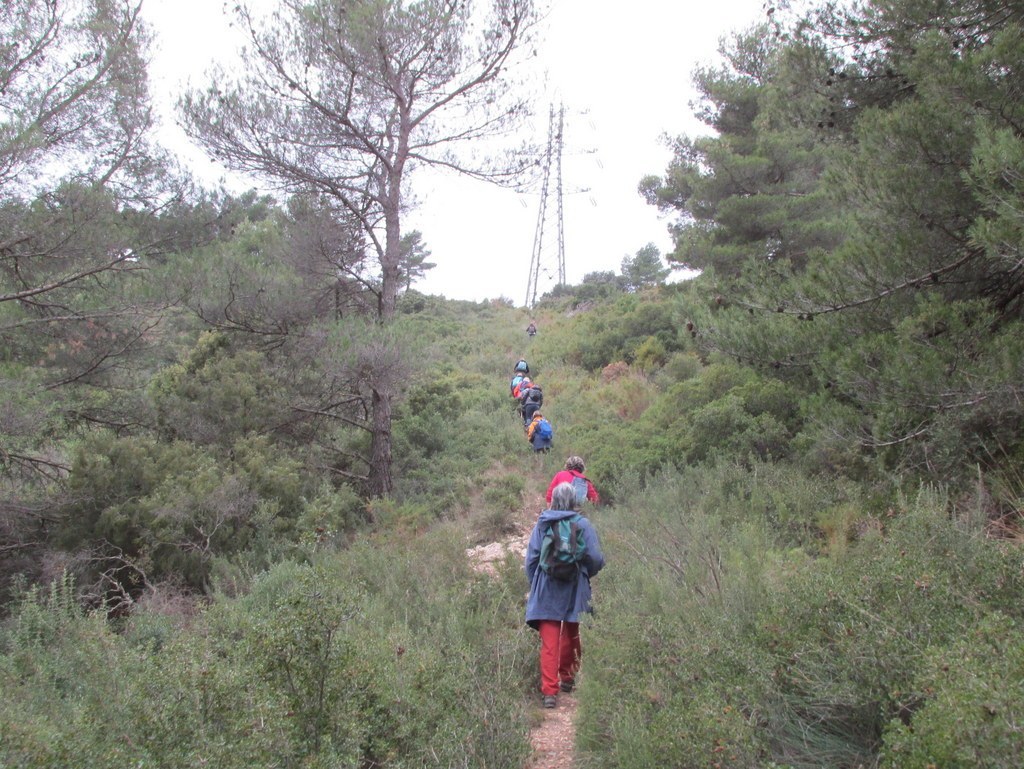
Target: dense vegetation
811, 455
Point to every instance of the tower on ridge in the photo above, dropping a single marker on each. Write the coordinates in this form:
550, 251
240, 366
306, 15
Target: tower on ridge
548, 260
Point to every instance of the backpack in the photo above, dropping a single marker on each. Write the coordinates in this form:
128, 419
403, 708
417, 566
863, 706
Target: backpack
514, 384
581, 487
522, 367
521, 388
562, 549
534, 395
543, 429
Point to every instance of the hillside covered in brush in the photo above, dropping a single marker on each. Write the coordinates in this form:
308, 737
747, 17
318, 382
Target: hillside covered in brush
243, 457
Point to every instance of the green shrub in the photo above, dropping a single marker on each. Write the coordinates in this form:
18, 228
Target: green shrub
330, 515
755, 653
69, 686
373, 656
972, 701
215, 394
678, 368
502, 501
618, 330
151, 511
650, 355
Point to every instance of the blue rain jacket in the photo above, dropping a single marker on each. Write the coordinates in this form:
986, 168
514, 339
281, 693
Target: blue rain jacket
539, 443
551, 598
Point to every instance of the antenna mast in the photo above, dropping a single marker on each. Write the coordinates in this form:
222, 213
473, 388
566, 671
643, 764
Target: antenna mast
553, 157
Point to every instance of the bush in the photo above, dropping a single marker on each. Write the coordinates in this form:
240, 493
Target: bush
755, 653
373, 656
215, 395
662, 664
850, 638
143, 511
973, 692
502, 501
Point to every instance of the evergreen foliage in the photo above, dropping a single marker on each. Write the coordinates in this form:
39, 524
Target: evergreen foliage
871, 130
810, 456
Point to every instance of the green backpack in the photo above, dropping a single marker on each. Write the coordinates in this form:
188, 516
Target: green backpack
562, 549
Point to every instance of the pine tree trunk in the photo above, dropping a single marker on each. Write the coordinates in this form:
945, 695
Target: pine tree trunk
380, 480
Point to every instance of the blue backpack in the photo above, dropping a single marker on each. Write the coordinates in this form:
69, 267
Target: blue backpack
543, 429
563, 548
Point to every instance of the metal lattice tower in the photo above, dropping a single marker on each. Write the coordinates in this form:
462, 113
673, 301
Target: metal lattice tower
546, 220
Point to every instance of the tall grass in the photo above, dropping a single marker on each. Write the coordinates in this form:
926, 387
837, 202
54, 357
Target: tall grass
715, 643
390, 654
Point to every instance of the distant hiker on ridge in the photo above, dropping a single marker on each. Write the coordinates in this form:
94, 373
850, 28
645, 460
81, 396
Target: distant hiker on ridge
532, 329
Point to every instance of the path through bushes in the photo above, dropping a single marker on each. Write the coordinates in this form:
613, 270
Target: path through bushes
554, 737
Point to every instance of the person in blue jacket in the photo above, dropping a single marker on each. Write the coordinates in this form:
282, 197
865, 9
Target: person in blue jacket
540, 438
554, 606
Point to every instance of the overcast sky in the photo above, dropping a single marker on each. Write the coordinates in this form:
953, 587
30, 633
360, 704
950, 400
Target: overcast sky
623, 75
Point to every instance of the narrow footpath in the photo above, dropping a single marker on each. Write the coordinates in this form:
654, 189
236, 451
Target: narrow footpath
554, 737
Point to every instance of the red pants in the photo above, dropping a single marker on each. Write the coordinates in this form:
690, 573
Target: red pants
560, 653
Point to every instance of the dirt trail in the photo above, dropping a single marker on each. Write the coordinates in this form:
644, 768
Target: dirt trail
554, 736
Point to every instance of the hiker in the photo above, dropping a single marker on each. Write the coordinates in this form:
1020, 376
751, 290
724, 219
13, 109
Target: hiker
574, 469
554, 605
514, 384
539, 433
532, 329
519, 387
531, 399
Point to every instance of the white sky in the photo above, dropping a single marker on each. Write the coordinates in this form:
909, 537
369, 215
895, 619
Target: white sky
623, 73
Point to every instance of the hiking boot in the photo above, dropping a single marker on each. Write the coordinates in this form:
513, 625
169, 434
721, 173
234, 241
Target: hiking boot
567, 685
550, 700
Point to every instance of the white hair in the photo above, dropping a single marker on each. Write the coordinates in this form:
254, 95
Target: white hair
563, 497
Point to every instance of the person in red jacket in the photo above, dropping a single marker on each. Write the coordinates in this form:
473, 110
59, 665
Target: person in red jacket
573, 469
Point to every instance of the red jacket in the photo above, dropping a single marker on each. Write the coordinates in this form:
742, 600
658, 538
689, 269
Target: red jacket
566, 476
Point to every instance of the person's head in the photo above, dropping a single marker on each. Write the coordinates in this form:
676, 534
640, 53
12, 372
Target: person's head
563, 497
575, 463
537, 415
